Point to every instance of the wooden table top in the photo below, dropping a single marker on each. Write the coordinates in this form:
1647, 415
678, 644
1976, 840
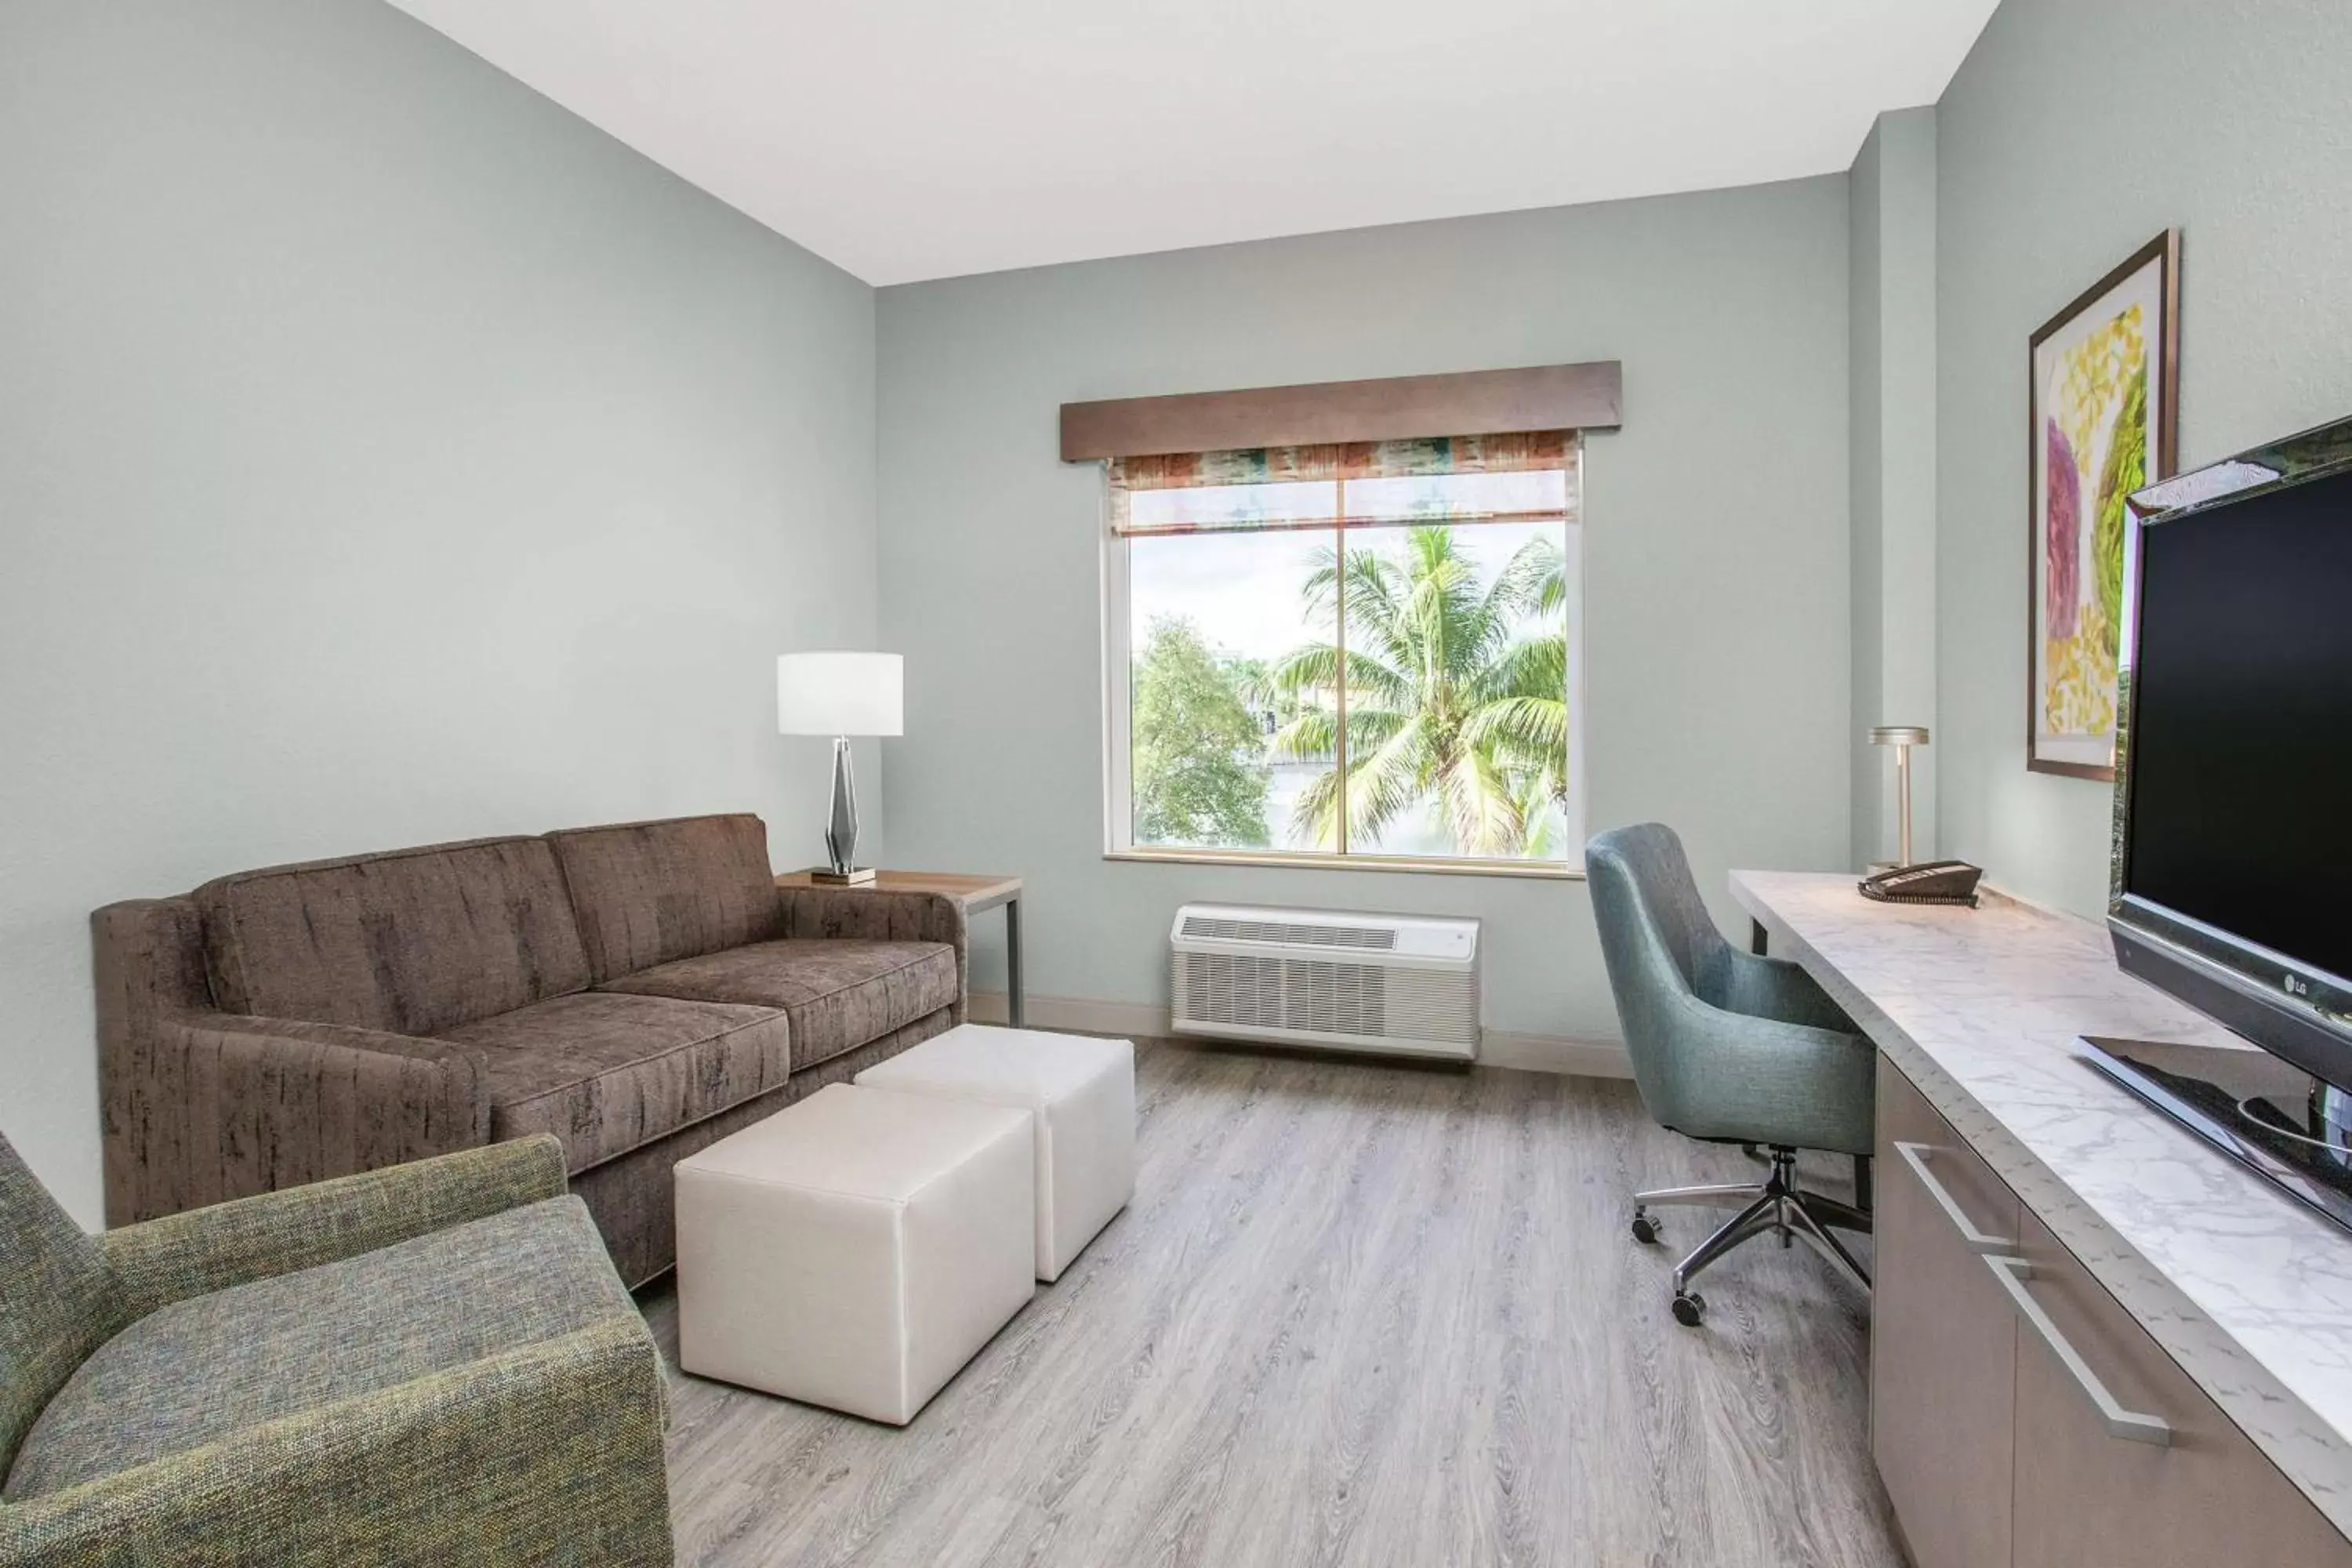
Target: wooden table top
977, 891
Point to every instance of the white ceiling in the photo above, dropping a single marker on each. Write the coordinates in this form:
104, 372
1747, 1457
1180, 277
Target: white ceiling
929, 138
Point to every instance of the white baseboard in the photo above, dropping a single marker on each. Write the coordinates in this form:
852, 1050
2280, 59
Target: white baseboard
1553, 1053
1497, 1048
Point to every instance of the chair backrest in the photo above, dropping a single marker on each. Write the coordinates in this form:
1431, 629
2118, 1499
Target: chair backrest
57, 1303
1647, 867
1657, 941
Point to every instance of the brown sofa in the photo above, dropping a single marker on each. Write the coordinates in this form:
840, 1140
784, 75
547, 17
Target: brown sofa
638, 991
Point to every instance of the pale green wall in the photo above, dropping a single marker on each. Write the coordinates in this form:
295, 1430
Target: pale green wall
2075, 131
1891, 342
1716, 578
385, 456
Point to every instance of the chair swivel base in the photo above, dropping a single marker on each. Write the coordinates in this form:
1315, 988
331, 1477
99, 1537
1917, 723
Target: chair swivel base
1777, 1205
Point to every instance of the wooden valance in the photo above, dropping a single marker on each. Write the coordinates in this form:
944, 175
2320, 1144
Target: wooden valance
1480, 402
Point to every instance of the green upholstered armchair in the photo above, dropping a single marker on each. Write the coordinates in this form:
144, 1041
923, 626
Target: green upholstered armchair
428, 1364
1731, 1048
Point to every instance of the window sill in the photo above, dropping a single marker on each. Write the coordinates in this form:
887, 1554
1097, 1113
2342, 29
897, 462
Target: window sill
1417, 866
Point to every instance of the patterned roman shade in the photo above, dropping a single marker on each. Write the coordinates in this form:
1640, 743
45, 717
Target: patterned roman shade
1525, 477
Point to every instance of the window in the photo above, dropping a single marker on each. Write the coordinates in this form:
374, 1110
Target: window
1359, 653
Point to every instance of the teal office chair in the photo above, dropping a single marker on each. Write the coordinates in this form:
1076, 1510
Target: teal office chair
1729, 1047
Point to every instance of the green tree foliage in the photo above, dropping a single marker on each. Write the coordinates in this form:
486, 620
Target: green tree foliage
1200, 774
1454, 694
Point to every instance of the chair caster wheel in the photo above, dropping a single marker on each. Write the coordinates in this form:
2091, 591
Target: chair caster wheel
1645, 1229
1689, 1307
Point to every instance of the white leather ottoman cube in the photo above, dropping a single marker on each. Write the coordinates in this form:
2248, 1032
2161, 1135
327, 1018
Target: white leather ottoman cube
856, 1249
1082, 1091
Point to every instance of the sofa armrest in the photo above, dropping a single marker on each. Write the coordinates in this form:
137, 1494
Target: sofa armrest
872, 915
239, 1105
548, 1453
208, 1250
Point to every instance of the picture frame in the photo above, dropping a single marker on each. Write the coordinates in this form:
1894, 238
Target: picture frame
2103, 408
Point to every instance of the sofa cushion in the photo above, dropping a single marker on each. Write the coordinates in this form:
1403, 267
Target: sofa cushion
629, 1197
647, 893
605, 1073
410, 942
203, 1370
838, 995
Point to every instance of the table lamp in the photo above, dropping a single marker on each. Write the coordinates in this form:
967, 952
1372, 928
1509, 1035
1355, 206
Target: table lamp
841, 695
1902, 737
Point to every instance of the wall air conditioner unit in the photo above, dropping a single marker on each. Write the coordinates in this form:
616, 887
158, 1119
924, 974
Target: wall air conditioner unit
1401, 983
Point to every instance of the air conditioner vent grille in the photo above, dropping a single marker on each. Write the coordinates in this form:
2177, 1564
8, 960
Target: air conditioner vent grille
1211, 928
1319, 996
1403, 984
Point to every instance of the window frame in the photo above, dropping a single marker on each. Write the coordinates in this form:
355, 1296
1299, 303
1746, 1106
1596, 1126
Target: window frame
1118, 740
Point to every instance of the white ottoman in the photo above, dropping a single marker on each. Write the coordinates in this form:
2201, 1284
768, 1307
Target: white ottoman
1083, 1093
856, 1249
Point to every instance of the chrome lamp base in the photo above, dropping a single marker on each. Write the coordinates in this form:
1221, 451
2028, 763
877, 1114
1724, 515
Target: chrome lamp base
841, 828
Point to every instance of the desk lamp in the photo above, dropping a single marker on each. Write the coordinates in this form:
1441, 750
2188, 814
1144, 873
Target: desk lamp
1902, 737
841, 695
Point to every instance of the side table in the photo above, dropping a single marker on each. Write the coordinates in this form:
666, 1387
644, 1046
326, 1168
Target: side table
977, 894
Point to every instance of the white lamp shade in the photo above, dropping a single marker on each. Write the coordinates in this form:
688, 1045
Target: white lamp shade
840, 694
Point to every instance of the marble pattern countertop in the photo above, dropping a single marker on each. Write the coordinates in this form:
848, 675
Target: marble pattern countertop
2248, 1290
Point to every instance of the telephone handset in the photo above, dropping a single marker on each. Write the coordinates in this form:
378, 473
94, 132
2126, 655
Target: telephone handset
1932, 882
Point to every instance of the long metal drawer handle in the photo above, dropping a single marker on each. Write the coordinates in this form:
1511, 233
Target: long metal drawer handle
2129, 1425
1916, 1156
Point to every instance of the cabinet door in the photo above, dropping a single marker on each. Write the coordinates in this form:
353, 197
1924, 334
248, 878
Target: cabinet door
2086, 1495
1943, 1340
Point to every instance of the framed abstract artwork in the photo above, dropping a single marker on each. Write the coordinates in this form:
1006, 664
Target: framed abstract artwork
2106, 416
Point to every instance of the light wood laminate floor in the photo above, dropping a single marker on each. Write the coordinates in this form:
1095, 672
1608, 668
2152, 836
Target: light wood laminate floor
1356, 1314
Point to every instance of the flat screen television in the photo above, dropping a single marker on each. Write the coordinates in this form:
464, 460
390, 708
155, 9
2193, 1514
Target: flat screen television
2232, 873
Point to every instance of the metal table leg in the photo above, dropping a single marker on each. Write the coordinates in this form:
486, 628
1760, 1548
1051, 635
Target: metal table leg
1014, 1013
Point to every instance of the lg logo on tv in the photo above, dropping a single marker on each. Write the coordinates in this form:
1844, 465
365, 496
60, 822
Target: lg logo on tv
2296, 987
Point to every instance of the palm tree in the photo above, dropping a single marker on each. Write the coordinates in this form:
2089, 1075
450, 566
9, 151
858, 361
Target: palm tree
1455, 695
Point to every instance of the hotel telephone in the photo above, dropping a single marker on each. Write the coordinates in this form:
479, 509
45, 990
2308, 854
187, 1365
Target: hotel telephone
1932, 882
